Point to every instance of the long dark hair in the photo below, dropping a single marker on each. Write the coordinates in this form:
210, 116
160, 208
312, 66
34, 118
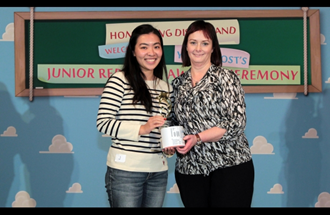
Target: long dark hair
133, 72
209, 32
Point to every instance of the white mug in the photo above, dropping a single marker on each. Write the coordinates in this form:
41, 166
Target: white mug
172, 136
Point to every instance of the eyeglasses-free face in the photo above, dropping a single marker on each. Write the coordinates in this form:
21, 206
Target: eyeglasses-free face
199, 48
148, 52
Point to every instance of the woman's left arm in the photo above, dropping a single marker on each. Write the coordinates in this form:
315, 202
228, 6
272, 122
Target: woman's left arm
210, 135
232, 105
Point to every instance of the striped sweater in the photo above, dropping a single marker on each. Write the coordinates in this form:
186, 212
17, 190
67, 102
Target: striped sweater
120, 119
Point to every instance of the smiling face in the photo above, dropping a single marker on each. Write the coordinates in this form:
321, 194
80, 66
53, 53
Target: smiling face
199, 48
148, 52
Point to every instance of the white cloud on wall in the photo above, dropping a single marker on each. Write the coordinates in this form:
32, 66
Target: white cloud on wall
276, 189
59, 145
9, 33
323, 200
76, 188
327, 81
311, 133
22, 199
283, 96
10, 132
260, 146
323, 40
174, 189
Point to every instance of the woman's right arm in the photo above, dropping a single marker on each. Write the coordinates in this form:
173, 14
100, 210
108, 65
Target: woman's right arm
109, 106
111, 100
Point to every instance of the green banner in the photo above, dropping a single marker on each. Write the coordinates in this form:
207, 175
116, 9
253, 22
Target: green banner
98, 74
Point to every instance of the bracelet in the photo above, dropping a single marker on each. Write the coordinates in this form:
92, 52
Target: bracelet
199, 140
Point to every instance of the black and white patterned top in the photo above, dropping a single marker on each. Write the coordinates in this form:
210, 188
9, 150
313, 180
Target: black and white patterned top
216, 100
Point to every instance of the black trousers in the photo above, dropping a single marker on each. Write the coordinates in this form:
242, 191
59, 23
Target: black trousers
224, 187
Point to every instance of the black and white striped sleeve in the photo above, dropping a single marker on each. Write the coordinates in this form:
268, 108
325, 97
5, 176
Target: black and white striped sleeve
110, 103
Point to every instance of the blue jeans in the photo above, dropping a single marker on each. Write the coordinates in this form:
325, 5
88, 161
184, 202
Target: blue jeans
135, 189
